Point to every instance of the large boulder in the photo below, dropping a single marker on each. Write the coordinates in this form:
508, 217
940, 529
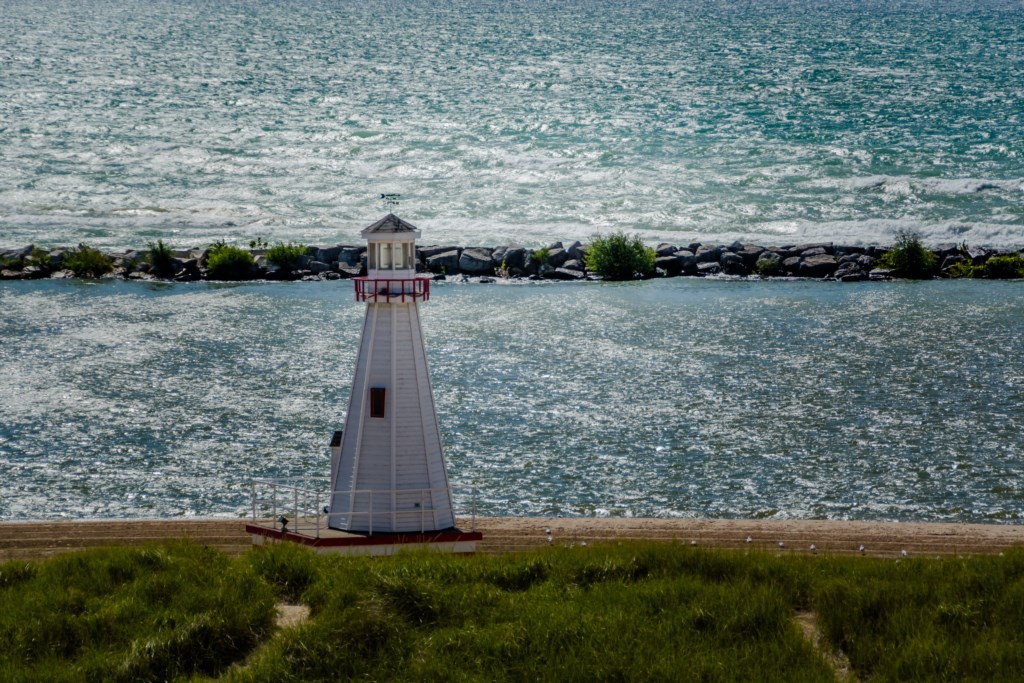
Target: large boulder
351, 256
432, 250
791, 265
189, 272
849, 271
708, 254
516, 260
750, 253
565, 274
557, 257
574, 264
476, 261
708, 268
664, 249
576, 251
531, 266
846, 250
687, 262
866, 262
670, 264
827, 247
732, 263
319, 267
785, 252
498, 255
446, 262
817, 266
327, 254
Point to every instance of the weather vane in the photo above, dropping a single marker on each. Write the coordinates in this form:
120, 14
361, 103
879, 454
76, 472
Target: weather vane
390, 201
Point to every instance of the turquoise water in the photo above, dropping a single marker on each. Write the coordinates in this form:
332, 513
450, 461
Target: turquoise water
782, 121
682, 397
499, 121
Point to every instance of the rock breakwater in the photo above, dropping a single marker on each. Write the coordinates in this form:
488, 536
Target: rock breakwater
557, 261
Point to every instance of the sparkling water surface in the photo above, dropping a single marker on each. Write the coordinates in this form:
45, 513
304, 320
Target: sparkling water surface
782, 121
683, 397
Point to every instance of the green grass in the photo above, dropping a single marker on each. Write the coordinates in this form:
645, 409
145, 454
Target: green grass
86, 261
160, 257
129, 614
922, 620
625, 612
287, 257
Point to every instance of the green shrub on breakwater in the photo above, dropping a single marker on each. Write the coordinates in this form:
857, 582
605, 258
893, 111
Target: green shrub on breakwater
88, 261
1001, 267
632, 611
160, 258
620, 257
287, 257
224, 262
909, 258
1005, 267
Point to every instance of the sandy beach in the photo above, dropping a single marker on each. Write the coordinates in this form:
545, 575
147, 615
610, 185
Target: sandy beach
42, 539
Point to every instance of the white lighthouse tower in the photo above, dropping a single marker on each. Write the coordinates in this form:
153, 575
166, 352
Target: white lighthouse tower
387, 472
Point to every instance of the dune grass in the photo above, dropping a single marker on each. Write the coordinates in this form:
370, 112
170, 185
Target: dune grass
129, 614
631, 611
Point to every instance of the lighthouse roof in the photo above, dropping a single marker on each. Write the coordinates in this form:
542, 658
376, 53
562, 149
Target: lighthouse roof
390, 225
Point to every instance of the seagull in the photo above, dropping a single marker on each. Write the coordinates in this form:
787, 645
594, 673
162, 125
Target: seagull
693, 542
903, 553
813, 548
861, 548
749, 539
781, 544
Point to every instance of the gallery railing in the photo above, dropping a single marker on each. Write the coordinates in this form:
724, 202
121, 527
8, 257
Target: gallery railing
388, 290
300, 504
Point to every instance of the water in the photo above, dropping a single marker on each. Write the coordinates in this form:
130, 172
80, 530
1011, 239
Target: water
775, 122
498, 121
683, 397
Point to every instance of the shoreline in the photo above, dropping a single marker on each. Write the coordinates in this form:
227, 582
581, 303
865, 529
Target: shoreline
824, 261
40, 539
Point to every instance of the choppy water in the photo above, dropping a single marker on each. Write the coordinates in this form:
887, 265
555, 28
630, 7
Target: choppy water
499, 120
665, 398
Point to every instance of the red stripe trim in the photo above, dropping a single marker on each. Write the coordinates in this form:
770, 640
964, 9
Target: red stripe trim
376, 539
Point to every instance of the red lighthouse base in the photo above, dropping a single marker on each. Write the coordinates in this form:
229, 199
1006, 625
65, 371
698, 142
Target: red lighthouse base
347, 543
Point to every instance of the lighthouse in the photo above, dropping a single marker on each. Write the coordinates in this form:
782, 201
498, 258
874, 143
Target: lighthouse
387, 466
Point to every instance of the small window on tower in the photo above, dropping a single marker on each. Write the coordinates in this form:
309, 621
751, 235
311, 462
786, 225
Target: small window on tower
377, 402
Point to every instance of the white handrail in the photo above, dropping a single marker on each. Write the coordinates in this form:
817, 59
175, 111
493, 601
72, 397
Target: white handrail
276, 494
